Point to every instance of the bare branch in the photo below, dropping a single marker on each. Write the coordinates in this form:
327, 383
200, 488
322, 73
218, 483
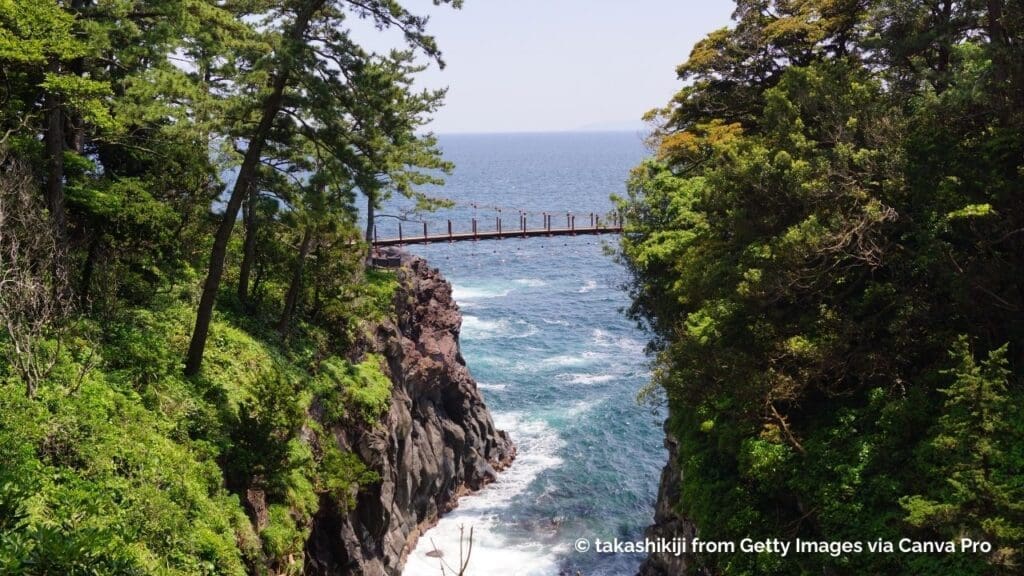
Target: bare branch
34, 295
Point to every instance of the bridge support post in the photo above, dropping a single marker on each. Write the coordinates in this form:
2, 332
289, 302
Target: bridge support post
399, 232
449, 230
568, 218
374, 233
474, 228
499, 227
572, 224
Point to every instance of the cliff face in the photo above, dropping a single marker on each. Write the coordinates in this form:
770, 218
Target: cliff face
436, 442
668, 523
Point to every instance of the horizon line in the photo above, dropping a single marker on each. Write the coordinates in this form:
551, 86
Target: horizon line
565, 131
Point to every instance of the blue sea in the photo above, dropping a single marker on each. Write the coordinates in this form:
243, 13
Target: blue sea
557, 361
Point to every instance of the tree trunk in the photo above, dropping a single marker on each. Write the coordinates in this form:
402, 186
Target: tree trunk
945, 49
370, 213
997, 41
255, 296
220, 243
292, 299
55, 167
318, 265
1007, 71
249, 251
88, 268
74, 127
74, 131
246, 178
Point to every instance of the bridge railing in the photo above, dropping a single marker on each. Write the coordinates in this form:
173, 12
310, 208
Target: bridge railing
478, 230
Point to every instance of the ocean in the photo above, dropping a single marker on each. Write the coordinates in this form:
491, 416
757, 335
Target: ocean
556, 359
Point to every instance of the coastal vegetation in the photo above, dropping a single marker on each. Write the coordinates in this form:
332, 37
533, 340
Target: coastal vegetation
828, 243
182, 278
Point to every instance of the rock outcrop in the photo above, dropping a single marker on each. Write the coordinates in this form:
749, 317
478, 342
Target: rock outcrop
668, 523
436, 442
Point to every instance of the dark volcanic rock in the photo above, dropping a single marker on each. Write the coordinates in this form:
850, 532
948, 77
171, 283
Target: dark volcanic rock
436, 442
668, 524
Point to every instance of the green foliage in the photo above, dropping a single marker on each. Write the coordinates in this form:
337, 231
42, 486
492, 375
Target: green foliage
829, 209
370, 388
282, 536
972, 448
347, 389
342, 474
260, 453
120, 465
96, 485
126, 115
377, 294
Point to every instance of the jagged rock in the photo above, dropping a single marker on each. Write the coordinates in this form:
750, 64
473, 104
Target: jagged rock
256, 506
668, 523
436, 442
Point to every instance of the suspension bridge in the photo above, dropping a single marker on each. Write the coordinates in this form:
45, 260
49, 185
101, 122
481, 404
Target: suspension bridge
421, 233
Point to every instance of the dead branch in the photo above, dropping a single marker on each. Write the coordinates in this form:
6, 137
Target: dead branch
34, 296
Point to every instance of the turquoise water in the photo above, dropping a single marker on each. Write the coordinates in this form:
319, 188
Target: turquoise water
557, 362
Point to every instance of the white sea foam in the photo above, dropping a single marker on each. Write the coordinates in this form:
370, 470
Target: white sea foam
622, 343
486, 386
492, 554
538, 445
479, 292
555, 322
475, 327
495, 289
581, 408
494, 361
586, 378
473, 324
565, 360
588, 286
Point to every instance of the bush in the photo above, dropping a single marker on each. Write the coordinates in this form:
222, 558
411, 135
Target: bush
347, 389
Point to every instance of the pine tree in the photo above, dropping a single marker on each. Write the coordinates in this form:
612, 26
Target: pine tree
981, 494
308, 83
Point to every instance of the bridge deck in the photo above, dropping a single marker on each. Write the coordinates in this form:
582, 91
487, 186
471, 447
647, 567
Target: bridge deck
496, 235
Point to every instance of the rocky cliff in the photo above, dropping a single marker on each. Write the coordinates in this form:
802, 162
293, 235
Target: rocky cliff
668, 523
436, 442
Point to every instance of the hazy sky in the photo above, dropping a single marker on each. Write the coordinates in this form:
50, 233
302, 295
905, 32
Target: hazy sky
551, 65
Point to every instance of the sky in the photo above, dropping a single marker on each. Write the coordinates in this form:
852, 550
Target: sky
557, 65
